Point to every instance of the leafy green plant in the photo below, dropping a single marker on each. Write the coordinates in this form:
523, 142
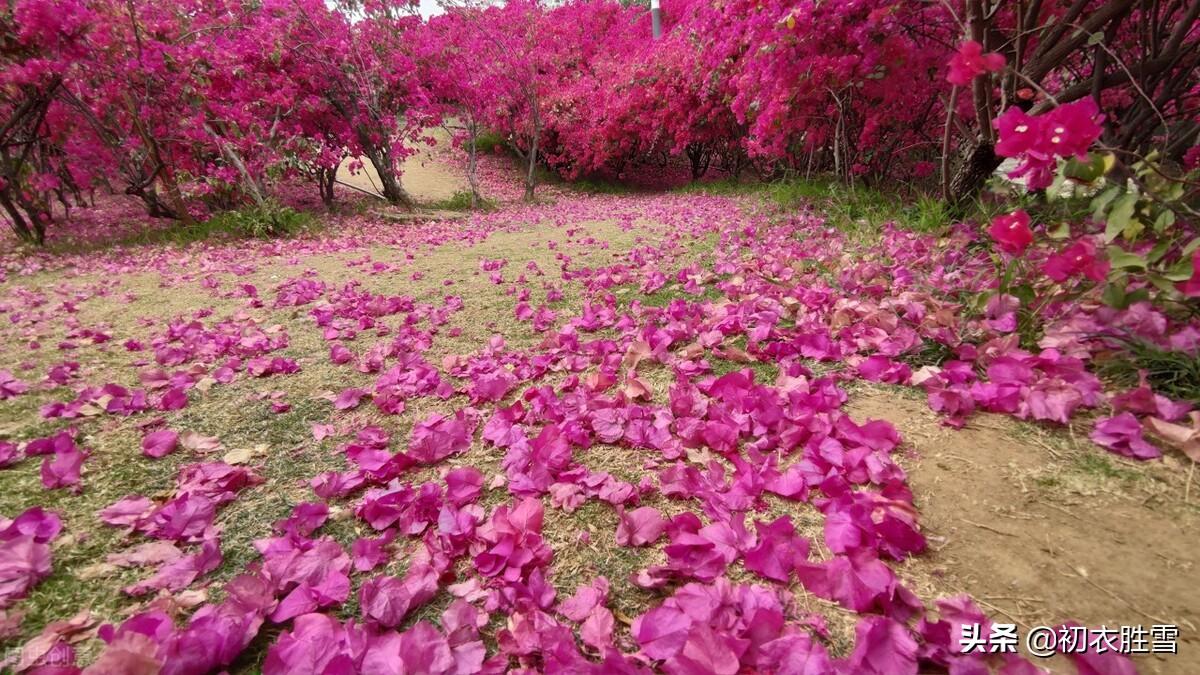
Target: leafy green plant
461, 201
488, 141
273, 220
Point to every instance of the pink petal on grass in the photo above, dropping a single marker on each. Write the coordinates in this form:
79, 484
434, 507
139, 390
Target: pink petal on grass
639, 527
388, 600
348, 399
160, 443
197, 442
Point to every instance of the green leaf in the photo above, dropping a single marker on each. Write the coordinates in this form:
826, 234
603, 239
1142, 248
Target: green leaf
1122, 259
1191, 246
1158, 252
1162, 283
1061, 232
1091, 170
1164, 220
1114, 294
1180, 271
1024, 293
1140, 295
1102, 200
1119, 215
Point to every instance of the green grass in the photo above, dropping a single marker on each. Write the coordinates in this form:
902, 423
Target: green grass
461, 201
1172, 374
931, 353
853, 208
1095, 464
273, 221
724, 187
598, 186
488, 141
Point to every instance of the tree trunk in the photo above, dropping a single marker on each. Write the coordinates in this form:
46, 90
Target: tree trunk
232, 157
167, 175
979, 162
393, 189
154, 205
529, 175
326, 177
19, 226
472, 178
530, 178
699, 157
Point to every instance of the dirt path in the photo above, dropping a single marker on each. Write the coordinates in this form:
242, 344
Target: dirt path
423, 176
1041, 529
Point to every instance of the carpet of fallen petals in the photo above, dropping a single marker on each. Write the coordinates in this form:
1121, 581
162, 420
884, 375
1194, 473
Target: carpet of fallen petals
391, 448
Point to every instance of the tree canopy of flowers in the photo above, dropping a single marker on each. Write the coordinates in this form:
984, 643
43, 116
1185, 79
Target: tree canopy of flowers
194, 106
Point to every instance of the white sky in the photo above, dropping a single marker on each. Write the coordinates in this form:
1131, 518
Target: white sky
429, 8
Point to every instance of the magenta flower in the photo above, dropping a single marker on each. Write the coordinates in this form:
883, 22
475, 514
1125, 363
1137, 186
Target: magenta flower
1012, 232
1018, 132
11, 386
1078, 259
970, 62
1071, 129
1122, 434
1191, 287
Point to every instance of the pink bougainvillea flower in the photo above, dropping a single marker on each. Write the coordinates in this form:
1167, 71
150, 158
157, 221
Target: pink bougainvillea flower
1019, 132
639, 527
1070, 129
882, 646
1080, 259
10, 453
387, 600
64, 468
1011, 232
317, 643
179, 573
1185, 438
1143, 401
463, 485
1122, 434
25, 552
367, 554
1191, 287
437, 437
348, 399
1001, 312
11, 386
778, 550
36, 522
970, 62
322, 431
880, 368
160, 443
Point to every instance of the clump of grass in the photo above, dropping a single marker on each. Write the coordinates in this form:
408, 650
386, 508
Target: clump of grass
461, 201
854, 208
488, 141
1098, 465
931, 353
723, 187
1173, 374
600, 186
272, 220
